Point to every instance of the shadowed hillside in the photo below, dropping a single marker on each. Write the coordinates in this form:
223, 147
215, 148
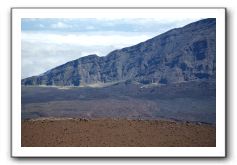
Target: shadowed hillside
181, 54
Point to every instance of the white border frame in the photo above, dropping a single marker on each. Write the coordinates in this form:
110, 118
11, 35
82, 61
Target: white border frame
218, 151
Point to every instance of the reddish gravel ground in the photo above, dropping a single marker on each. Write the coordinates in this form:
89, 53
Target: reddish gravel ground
115, 133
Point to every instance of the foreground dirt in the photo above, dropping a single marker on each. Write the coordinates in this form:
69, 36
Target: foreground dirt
115, 133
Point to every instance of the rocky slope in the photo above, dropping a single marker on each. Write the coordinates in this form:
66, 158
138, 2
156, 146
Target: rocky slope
181, 54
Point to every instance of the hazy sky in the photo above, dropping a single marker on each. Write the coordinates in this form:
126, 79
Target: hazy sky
47, 43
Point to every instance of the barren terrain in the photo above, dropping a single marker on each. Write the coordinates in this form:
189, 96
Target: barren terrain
66, 132
189, 101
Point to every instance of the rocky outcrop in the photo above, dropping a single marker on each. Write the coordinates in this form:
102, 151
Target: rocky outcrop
181, 54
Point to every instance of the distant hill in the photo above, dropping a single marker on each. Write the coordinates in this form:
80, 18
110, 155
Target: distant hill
181, 54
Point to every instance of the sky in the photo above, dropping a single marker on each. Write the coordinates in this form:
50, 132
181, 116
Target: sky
49, 42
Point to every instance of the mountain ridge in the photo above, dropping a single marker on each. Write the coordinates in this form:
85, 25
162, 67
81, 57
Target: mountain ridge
180, 54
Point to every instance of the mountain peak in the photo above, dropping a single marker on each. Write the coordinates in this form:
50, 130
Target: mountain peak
181, 54
90, 56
